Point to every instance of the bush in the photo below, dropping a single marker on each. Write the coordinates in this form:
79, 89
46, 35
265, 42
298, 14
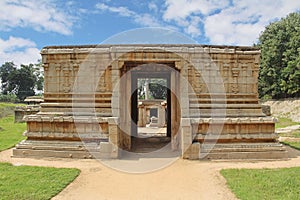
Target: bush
9, 98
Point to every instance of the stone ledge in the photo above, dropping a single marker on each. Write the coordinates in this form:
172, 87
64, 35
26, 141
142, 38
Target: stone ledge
78, 135
167, 48
75, 119
234, 120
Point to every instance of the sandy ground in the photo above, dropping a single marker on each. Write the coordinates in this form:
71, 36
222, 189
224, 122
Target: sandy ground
183, 179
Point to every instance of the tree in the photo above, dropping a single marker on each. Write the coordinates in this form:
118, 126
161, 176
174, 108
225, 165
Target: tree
7, 72
25, 80
157, 88
279, 75
22, 81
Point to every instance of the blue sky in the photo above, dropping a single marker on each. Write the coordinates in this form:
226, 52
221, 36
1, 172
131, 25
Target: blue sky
28, 25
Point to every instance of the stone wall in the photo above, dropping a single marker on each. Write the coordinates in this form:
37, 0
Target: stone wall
88, 91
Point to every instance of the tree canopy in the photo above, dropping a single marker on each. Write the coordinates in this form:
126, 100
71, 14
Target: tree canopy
279, 75
21, 81
156, 87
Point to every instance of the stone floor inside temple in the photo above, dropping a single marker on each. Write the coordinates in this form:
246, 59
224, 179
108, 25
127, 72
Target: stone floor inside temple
150, 139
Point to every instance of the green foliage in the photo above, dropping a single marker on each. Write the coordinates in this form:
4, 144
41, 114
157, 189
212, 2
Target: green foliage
28, 182
8, 98
10, 132
279, 75
264, 183
7, 72
157, 88
22, 81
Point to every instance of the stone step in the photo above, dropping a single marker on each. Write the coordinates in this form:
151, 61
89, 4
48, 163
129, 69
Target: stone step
269, 155
244, 151
242, 148
241, 151
62, 149
21, 153
56, 145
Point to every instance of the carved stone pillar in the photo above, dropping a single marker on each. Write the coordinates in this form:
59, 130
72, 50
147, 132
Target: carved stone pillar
66, 76
46, 71
57, 70
234, 85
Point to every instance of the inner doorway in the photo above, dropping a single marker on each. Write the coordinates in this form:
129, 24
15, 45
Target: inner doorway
150, 110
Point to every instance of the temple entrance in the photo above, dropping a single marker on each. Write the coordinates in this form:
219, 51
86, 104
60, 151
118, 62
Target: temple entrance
150, 111
149, 123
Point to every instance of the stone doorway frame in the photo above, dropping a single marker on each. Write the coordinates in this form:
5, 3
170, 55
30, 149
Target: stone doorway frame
166, 69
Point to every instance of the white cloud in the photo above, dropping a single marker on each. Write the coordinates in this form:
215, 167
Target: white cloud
18, 50
237, 23
40, 15
144, 19
193, 27
188, 13
181, 9
225, 22
152, 6
122, 11
243, 22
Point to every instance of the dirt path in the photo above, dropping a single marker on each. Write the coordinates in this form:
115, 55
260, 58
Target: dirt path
182, 180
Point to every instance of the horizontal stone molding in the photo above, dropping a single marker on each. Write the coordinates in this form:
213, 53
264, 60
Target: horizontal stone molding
237, 120
77, 119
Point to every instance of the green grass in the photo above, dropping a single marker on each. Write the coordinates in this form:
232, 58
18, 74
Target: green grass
7, 109
295, 145
10, 132
27, 182
284, 122
252, 184
294, 134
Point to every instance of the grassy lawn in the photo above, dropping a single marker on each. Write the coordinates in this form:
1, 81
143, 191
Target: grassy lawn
252, 184
295, 145
284, 122
295, 134
10, 132
7, 109
27, 182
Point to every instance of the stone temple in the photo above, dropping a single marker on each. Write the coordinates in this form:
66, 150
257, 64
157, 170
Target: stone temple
90, 107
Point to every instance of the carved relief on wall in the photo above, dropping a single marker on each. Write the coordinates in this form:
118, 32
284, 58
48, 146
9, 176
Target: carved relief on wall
58, 75
104, 83
225, 75
195, 80
66, 86
234, 85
